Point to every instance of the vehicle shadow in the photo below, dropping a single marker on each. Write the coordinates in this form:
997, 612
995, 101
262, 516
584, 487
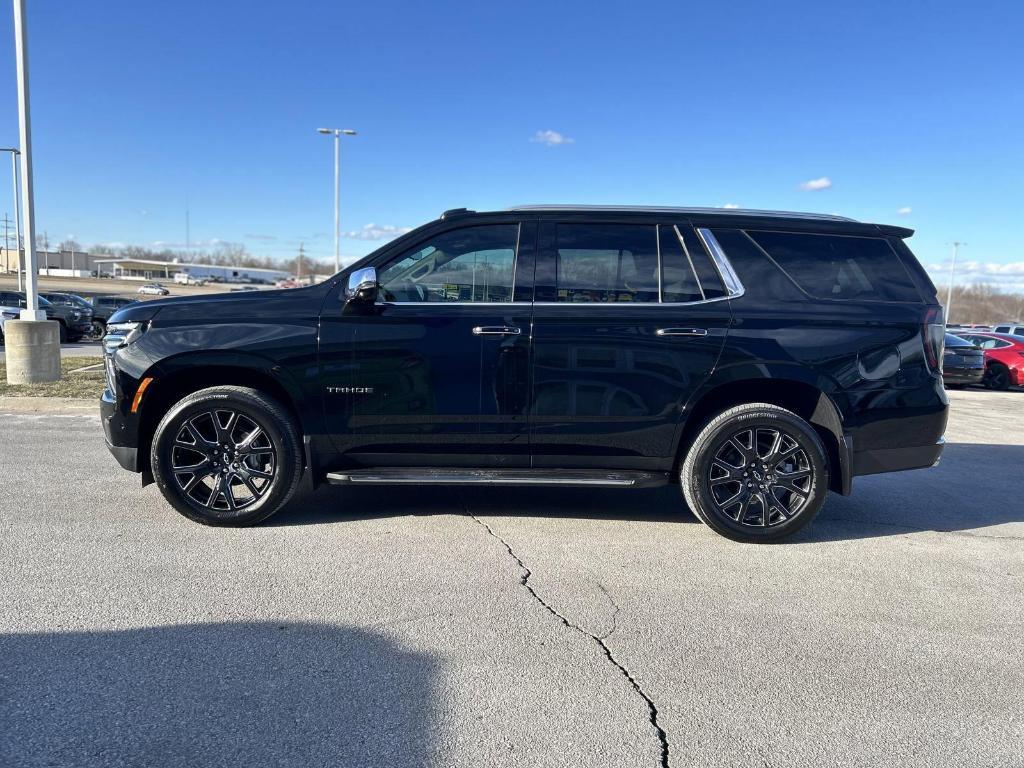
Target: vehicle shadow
249, 693
944, 498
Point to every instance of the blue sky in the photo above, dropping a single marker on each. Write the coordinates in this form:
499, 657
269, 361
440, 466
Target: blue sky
139, 107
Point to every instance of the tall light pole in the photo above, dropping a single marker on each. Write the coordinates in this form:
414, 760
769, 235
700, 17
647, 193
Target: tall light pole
952, 272
17, 206
337, 133
33, 342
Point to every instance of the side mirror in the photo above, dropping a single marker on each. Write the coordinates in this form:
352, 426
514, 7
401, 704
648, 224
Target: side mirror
362, 286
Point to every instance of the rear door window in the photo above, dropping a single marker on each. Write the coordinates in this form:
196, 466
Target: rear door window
603, 263
839, 267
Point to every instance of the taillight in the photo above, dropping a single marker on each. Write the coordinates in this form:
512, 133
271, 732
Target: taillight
933, 333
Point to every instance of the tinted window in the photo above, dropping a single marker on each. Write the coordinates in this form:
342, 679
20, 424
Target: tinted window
678, 281
606, 263
838, 267
687, 271
470, 264
956, 341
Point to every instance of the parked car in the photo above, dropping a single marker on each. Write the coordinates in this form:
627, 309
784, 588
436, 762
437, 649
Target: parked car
1004, 358
757, 359
1015, 329
963, 362
153, 289
74, 322
7, 313
103, 307
59, 299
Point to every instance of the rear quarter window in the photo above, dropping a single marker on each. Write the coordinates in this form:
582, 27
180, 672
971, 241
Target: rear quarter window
845, 268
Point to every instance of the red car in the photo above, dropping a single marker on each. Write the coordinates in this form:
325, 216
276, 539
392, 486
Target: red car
1004, 358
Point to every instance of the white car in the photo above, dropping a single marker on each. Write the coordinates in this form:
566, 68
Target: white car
153, 289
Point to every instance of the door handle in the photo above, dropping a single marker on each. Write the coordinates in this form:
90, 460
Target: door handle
496, 330
681, 332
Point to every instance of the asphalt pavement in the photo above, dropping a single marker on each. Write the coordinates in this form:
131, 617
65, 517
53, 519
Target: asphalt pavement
519, 627
76, 349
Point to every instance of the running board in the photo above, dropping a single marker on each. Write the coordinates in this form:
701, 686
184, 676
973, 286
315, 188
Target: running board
437, 476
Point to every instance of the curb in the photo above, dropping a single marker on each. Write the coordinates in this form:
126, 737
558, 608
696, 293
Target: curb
74, 405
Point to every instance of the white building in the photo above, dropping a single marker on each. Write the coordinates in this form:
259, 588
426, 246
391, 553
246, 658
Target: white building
150, 269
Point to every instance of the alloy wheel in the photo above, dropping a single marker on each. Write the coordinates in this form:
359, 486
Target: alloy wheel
760, 477
223, 460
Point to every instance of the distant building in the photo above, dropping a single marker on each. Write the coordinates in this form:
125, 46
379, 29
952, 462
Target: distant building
81, 262
150, 269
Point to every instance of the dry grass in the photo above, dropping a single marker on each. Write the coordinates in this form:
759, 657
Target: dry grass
86, 384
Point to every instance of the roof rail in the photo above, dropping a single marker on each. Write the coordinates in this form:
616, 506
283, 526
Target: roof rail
683, 210
452, 212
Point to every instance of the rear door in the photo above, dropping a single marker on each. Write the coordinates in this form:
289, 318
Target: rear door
437, 373
629, 319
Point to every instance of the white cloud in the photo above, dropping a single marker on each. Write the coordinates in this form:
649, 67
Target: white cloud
905, 210
1007, 276
730, 205
377, 232
813, 185
551, 138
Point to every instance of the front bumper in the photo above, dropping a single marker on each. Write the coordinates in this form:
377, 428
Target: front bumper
877, 461
126, 456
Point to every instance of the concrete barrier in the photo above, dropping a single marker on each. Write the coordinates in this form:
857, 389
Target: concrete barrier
32, 348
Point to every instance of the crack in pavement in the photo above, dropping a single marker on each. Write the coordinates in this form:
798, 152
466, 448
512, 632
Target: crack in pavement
524, 579
615, 611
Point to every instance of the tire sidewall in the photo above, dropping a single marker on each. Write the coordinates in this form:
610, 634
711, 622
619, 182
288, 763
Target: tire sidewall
259, 409
714, 436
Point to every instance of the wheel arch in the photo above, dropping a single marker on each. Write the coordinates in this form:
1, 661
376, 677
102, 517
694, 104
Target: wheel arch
184, 374
808, 400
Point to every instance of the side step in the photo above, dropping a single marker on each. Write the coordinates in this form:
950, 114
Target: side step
443, 476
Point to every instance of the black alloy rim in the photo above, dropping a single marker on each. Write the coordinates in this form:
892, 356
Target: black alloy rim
223, 460
760, 477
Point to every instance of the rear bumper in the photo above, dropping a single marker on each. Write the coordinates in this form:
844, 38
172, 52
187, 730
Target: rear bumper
963, 375
880, 460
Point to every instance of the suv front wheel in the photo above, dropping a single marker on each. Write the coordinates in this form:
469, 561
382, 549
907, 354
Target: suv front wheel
227, 456
756, 473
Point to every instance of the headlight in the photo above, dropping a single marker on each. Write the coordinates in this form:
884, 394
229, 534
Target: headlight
9, 315
121, 335
76, 315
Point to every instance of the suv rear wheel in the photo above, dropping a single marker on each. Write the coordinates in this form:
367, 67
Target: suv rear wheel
756, 473
227, 456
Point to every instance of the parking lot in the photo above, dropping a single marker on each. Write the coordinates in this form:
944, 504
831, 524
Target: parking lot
519, 627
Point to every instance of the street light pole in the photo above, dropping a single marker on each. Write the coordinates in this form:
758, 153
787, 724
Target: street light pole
32, 311
17, 208
33, 342
952, 272
337, 133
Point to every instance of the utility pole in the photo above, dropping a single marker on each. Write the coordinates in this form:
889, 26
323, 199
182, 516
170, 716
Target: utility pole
33, 341
952, 273
298, 263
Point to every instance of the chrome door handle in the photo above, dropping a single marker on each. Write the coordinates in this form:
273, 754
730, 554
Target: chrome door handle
682, 332
496, 330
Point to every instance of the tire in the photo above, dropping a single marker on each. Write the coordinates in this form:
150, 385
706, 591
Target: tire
99, 328
260, 471
997, 377
709, 487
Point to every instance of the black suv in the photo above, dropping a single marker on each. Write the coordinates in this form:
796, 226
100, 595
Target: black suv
758, 359
104, 306
75, 322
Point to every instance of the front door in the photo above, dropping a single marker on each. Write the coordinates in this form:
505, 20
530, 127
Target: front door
437, 372
628, 321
